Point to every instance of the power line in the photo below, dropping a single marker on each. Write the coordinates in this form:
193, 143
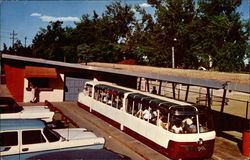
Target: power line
25, 38
13, 34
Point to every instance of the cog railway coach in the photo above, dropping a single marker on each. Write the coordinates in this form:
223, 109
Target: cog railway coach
174, 128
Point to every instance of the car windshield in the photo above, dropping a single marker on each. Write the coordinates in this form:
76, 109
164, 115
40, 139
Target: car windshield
183, 124
51, 135
190, 119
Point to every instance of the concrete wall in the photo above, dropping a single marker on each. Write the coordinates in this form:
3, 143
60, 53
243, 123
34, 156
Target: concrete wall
55, 95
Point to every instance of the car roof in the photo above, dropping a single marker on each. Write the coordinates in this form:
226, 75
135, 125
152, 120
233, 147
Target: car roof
7, 100
17, 124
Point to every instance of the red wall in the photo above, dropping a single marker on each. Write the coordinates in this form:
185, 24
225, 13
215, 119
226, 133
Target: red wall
15, 81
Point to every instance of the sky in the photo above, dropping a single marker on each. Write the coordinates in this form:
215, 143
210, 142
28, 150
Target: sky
26, 18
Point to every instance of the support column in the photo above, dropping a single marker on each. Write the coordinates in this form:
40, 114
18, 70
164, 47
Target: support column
208, 98
148, 85
187, 91
159, 91
173, 87
139, 86
247, 110
223, 101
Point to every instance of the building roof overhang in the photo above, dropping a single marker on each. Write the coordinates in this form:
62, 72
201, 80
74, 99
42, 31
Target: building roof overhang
40, 72
177, 79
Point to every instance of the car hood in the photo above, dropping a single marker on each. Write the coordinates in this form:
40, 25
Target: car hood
36, 109
75, 133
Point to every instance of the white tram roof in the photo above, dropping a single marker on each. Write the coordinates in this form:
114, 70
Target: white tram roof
136, 93
162, 103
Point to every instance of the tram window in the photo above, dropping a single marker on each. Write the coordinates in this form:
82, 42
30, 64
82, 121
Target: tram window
89, 89
205, 123
183, 124
117, 101
97, 95
107, 98
103, 96
138, 110
154, 116
129, 106
132, 106
162, 121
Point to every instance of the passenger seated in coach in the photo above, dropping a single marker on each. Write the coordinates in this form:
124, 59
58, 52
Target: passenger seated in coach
188, 125
160, 122
146, 114
176, 128
97, 96
138, 113
154, 117
85, 91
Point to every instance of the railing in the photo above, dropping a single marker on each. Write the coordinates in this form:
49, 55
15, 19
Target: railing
197, 97
64, 118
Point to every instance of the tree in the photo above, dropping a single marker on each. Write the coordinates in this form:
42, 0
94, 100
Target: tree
48, 42
221, 39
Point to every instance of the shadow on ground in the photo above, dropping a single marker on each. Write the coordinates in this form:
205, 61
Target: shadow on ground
226, 122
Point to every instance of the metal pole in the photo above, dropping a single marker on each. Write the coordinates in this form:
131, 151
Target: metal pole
247, 110
148, 84
173, 87
173, 65
223, 101
208, 98
187, 91
159, 91
173, 59
139, 87
0, 67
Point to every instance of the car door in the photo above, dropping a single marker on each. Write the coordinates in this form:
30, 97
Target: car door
9, 146
32, 143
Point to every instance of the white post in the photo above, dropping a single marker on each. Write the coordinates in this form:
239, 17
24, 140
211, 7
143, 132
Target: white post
173, 65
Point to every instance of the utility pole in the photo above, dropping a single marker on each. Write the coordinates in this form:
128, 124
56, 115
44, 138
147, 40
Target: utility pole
25, 38
13, 34
173, 59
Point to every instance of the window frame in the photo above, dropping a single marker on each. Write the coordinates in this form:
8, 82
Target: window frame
44, 140
17, 137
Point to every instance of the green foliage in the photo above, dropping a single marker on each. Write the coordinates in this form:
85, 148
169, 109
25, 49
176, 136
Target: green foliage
18, 49
208, 33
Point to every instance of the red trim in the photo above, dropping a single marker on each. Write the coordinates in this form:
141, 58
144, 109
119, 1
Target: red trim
83, 106
175, 150
40, 72
190, 150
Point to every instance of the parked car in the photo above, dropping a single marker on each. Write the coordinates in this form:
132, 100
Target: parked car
9, 109
22, 139
85, 154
